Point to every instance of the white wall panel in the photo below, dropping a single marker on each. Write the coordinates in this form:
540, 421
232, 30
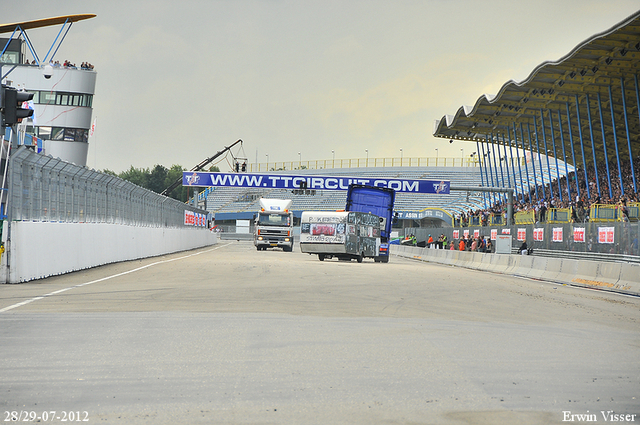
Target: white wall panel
41, 249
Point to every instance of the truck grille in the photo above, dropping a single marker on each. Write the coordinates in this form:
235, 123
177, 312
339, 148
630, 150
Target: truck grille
273, 232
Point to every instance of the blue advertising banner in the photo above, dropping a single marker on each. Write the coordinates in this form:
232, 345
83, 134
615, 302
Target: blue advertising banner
281, 181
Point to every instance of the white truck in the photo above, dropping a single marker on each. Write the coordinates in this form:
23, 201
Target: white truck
348, 235
274, 225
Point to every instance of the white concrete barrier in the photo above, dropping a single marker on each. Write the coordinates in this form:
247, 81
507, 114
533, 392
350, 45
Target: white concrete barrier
514, 264
630, 278
475, 260
617, 277
568, 271
538, 268
39, 249
465, 259
552, 269
524, 265
609, 273
500, 262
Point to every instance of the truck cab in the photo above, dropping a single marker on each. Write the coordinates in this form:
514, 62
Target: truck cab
378, 201
274, 225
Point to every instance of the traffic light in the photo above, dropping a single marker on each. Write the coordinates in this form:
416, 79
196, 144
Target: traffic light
11, 103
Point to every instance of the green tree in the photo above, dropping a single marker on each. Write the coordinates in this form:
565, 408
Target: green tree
180, 193
137, 176
158, 179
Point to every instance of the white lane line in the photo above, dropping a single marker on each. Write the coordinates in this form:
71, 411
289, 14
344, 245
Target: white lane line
20, 304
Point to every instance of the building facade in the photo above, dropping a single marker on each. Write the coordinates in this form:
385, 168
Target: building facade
62, 102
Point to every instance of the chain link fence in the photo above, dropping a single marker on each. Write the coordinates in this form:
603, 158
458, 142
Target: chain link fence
617, 238
46, 189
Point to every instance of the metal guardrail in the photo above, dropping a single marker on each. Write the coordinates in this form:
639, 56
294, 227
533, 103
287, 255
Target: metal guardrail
365, 163
47, 189
605, 212
591, 256
477, 221
559, 215
525, 217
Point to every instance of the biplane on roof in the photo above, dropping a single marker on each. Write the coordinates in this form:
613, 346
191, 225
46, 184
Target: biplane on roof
46, 22
603, 70
20, 27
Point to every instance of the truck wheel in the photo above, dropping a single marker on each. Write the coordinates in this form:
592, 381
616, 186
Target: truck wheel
384, 259
360, 257
258, 247
321, 257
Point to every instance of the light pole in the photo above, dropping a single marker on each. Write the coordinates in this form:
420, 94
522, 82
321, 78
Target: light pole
401, 155
267, 155
462, 156
436, 157
367, 152
299, 160
333, 154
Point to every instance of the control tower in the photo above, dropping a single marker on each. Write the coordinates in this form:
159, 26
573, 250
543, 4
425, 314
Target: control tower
63, 95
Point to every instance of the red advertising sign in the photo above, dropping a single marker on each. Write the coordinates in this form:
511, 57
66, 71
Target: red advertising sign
538, 234
476, 233
557, 234
578, 234
456, 234
522, 234
189, 218
194, 219
506, 231
494, 234
605, 234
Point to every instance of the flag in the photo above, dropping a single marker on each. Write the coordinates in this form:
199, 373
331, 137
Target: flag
30, 105
93, 127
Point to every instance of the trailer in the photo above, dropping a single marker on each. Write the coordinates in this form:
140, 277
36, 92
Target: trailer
345, 235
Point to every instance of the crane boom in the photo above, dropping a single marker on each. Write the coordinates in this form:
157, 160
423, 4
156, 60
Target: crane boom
199, 167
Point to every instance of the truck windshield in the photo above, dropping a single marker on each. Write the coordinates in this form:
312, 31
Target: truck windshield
273, 219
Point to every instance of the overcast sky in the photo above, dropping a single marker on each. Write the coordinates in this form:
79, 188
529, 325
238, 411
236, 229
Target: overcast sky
179, 80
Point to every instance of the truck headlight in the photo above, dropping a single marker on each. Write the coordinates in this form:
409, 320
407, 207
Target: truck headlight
286, 239
259, 238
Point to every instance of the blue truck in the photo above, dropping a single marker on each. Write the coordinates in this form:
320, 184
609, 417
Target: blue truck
377, 201
361, 231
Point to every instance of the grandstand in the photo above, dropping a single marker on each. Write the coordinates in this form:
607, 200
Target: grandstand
572, 124
229, 203
582, 109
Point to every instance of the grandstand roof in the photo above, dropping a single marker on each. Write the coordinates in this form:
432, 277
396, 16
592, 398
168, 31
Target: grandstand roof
597, 69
